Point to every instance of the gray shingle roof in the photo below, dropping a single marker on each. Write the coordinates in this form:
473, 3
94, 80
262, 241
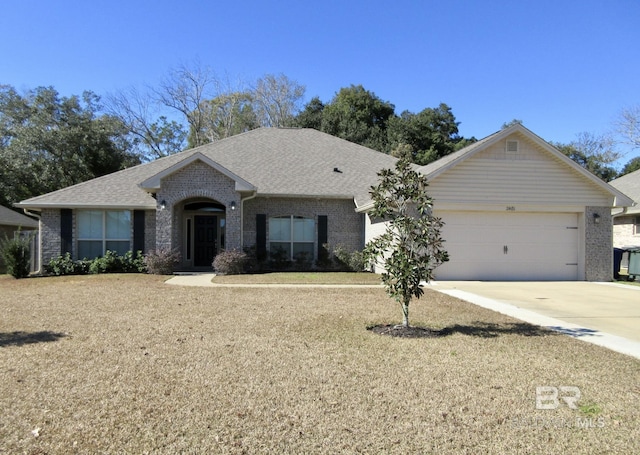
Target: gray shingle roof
277, 161
630, 185
10, 217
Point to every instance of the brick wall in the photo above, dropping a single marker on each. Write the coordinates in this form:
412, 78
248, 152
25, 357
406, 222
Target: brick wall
50, 240
345, 226
198, 180
623, 232
598, 244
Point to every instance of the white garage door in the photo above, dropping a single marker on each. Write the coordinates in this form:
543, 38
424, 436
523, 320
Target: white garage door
510, 246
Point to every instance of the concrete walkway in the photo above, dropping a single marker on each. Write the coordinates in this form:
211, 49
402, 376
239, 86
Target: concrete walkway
204, 279
606, 314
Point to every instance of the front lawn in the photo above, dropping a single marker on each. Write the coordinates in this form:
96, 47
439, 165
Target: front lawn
128, 364
335, 278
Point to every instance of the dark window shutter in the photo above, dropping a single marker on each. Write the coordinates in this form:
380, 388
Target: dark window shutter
66, 231
323, 236
261, 236
138, 231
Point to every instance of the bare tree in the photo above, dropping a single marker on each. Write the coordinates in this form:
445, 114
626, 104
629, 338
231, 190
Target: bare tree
228, 114
185, 89
154, 136
628, 125
277, 100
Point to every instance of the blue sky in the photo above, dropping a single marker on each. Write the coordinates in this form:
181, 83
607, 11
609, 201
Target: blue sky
563, 66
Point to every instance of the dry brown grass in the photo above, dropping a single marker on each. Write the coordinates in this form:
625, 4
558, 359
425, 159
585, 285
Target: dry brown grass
127, 364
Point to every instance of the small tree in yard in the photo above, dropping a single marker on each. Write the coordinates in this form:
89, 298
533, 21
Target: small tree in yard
411, 247
15, 254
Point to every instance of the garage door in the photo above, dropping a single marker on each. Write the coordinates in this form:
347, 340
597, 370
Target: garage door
510, 246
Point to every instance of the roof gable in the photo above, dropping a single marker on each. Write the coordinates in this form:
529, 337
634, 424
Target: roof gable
539, 150
153, 183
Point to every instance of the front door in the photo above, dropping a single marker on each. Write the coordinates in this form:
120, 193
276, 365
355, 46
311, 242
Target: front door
205, 234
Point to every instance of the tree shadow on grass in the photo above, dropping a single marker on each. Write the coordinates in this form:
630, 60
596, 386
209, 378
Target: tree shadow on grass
22, 338
479, 329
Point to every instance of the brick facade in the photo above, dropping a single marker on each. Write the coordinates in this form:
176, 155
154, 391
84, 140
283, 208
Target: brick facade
624, 232
195, 181
598, 244
50, 240
345, 226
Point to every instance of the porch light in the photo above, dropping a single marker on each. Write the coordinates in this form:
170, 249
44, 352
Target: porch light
233, 205
596, 218
163, 204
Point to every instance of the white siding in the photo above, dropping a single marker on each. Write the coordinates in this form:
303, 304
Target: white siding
532, 176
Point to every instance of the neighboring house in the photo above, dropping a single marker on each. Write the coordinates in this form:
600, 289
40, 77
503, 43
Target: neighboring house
626, 223
12, 222
514, 207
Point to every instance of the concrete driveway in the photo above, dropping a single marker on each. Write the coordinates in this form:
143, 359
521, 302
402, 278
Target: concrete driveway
607, 314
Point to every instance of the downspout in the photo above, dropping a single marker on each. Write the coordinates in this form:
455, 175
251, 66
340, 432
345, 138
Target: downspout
39, 217
624, 211
255, 193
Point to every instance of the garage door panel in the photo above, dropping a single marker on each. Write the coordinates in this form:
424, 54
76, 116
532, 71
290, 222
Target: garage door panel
510, 246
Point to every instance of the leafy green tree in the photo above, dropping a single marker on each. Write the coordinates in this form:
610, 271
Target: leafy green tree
632, 166
431, 134
359, 116
515, 121
311, 115
411, 246
49, 142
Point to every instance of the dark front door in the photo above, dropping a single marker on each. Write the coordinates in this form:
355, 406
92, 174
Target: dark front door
206, 236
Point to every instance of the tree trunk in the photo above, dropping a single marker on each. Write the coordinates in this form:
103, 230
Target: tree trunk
405, 313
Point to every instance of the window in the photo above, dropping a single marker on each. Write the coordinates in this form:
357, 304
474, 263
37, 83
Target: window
636, 225
99, 231
292, 235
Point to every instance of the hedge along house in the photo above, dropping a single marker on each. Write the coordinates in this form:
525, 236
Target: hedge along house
287, 190
515, 208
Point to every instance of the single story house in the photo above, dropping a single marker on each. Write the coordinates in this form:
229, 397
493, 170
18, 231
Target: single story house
626, 222
514, 207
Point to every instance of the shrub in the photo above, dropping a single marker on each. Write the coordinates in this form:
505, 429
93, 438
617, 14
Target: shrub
279, 259
64, 265
133, 264
109, 263
161, 261
349, 260
15, 254
231, 262
303, 261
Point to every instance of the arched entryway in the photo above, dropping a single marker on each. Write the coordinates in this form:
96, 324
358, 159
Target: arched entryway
204, 231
